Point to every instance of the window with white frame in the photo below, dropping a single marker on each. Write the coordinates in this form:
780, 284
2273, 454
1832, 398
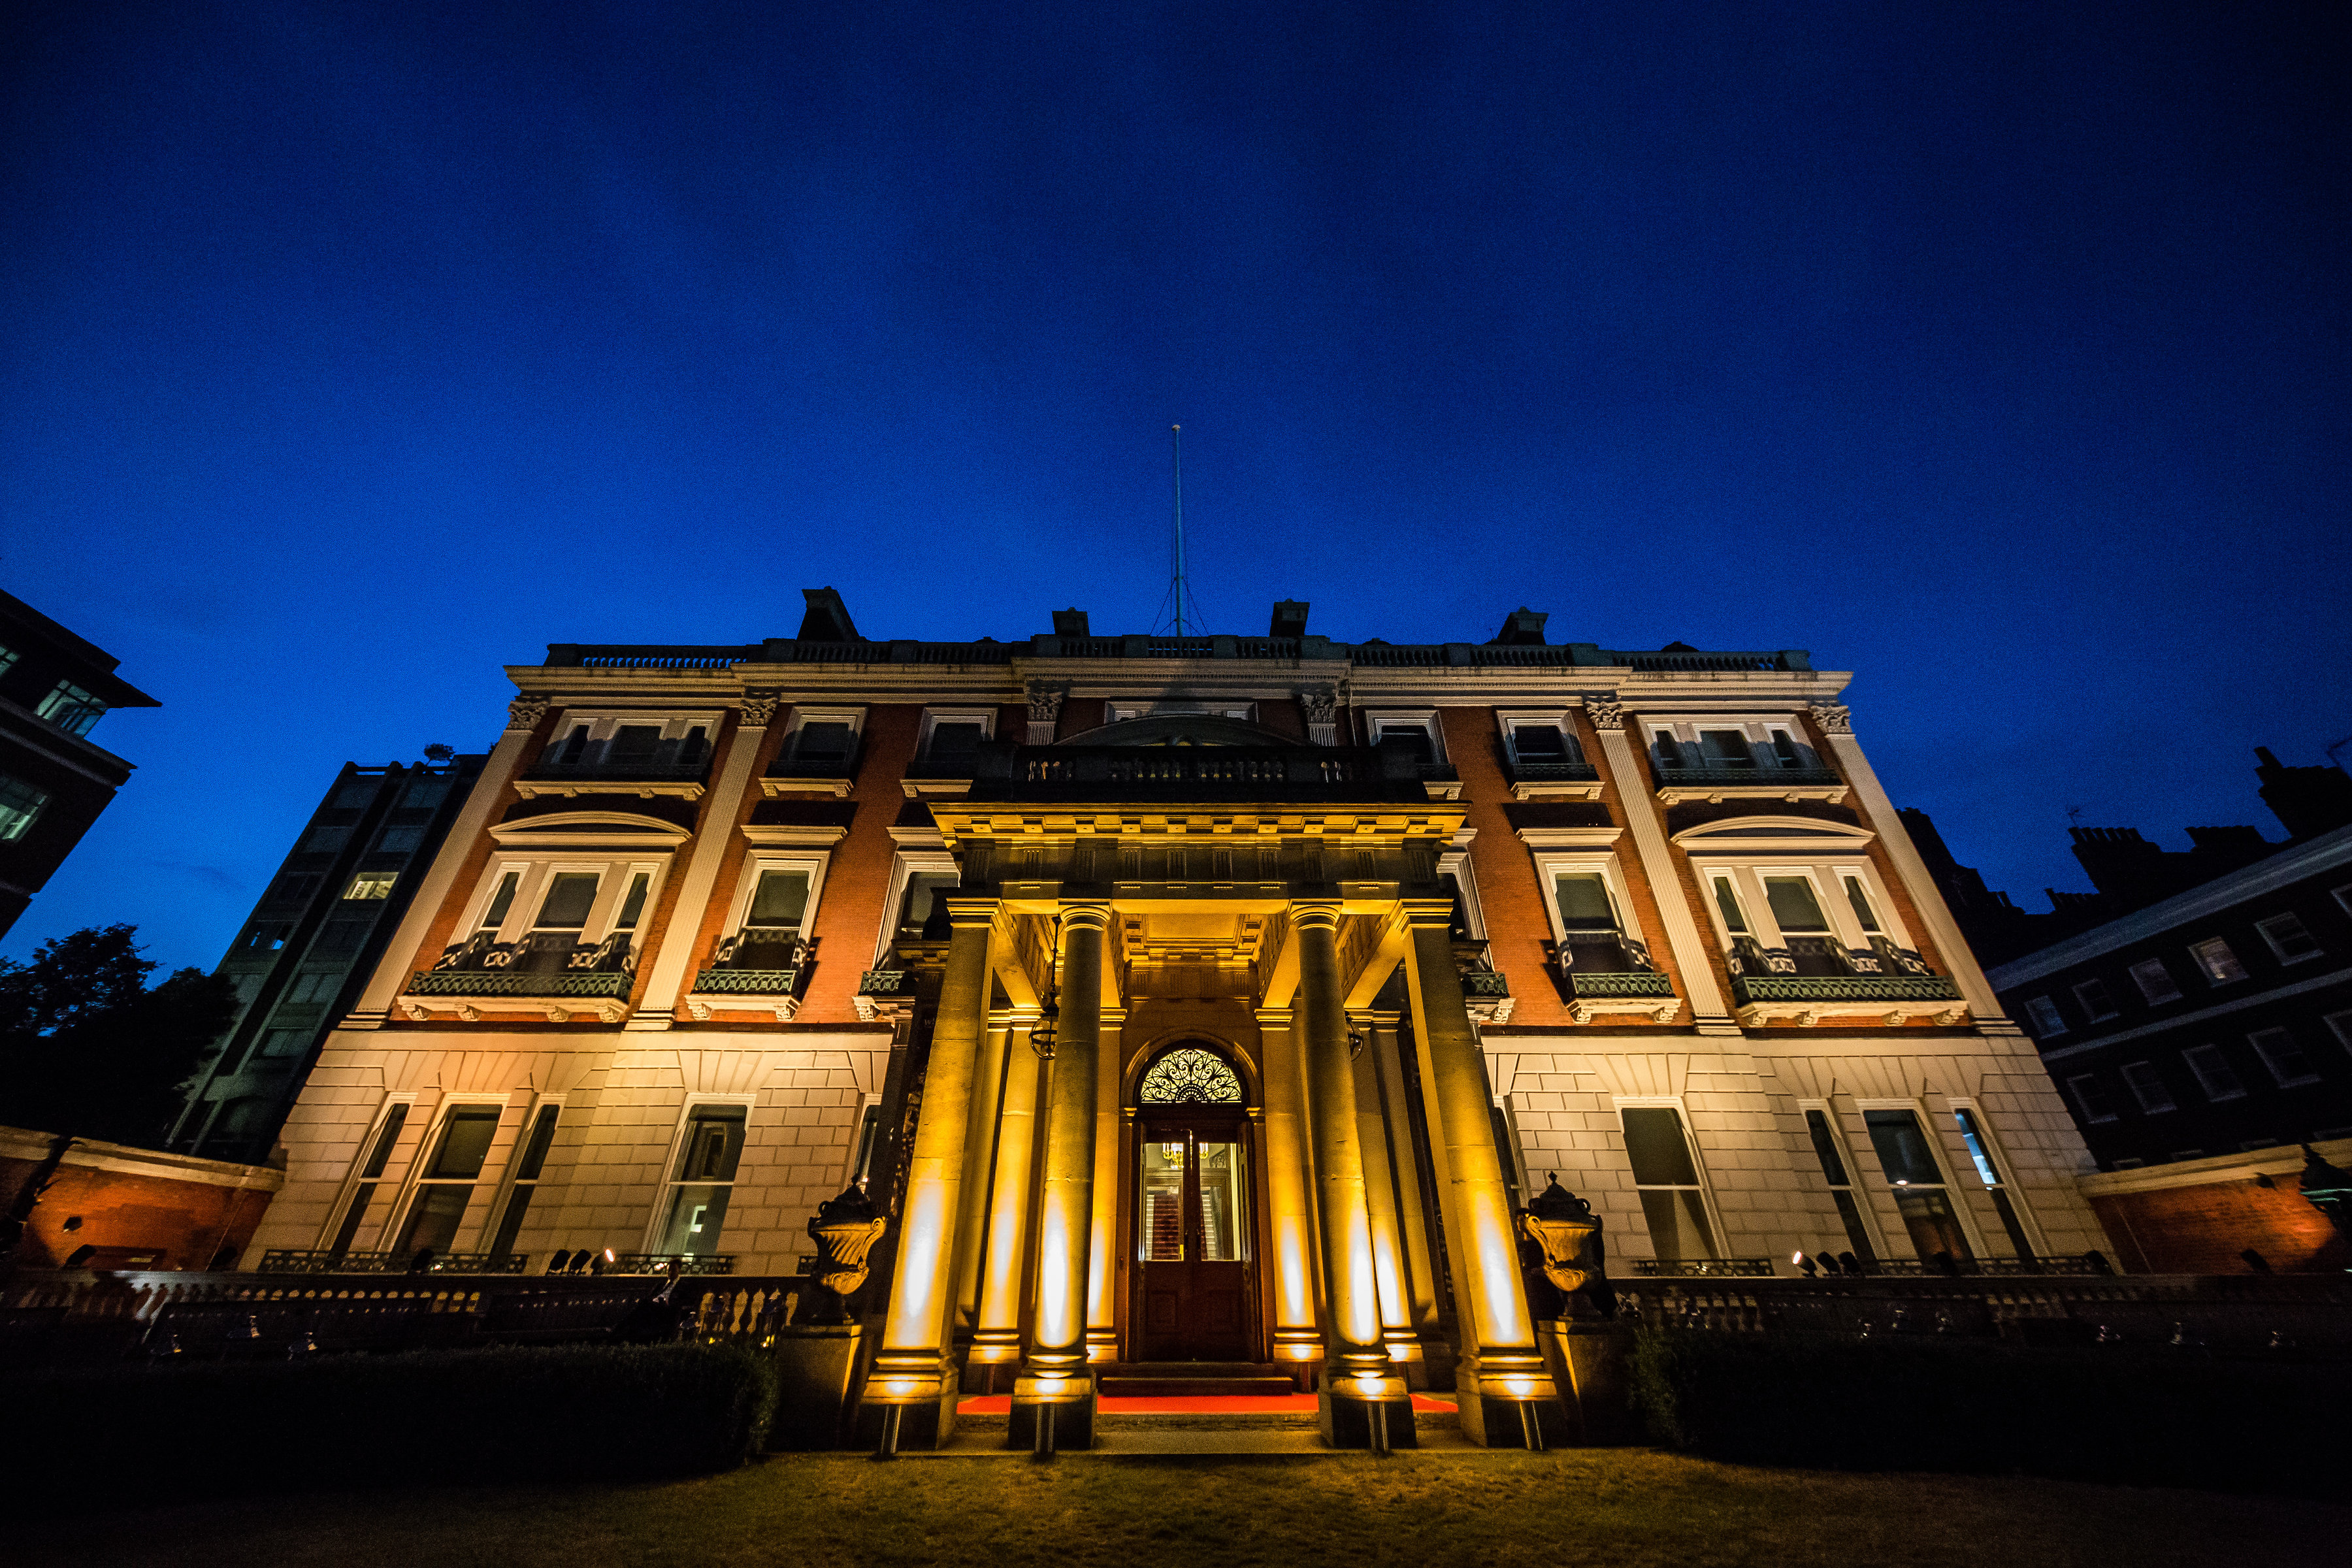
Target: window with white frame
445, 1188
1415, 730
2287, 1061
2155, 981
1978, 1139
1540, 739
1666, 1176
2098, 1002
561, 912
822, 741
1829, 1150
1586, 899
775, 901
376, 1153
1908, 1157
2148, 1087
694, 1209
525, 1186
1794, 917
2215, 961
2213, 1073
1733, 745
2289, 938
616, 743
948, 746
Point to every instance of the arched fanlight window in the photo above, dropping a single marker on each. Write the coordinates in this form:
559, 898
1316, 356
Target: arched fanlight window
1191, 1076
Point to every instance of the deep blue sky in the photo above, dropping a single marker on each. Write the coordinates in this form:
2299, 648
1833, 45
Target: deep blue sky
1998, 353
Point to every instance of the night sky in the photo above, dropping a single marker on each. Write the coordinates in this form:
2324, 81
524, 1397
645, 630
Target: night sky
1995, 352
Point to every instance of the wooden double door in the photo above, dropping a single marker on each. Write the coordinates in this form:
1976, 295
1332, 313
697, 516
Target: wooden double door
1196, 1296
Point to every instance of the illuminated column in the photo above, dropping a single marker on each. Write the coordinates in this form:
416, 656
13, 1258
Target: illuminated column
1102, 1258
1053, 1400
1412, 1221
1506, 1396
911, 1392
1381, 1202
1290, 1226
1358, 1376
1005, 1248
978, 1155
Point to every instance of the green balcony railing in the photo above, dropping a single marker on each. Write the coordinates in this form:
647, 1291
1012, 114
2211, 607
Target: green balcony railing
1768, 777
1553, 772
1751, 988
747, 982
888, 982
512, 982
1485, 983
1589, 982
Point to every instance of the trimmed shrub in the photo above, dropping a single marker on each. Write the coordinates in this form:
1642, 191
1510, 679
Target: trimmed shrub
2140, 1416
141, 1433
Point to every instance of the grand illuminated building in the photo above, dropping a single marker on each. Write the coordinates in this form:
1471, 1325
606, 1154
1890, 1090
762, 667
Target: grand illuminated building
1212, 998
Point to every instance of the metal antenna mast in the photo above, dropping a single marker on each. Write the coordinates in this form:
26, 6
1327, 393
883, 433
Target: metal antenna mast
1179, 590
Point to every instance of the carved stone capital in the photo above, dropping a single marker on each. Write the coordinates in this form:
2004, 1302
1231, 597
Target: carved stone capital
1606, 712
1045, 701
525, 713
1833, 718
759, 708
1321, 704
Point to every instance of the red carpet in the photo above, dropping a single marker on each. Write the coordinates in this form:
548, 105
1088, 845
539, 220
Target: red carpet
1224, 1405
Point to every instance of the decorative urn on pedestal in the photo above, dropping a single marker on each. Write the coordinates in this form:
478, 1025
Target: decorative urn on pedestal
1574, 1258
844, 1230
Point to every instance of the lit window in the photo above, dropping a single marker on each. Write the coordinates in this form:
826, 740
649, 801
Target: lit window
2098, 1002
2286, 1060
705, 1180
2215, 962
2147, 1086
2091, 1098
925, 898
1979, 1142
2289, 938
2213, 1072
2155, 981
71, 709
1667, 1179
2047, 1019
1912, 1170
20, 807
371, 885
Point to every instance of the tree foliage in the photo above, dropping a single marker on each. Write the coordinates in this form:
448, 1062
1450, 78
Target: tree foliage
88, 1046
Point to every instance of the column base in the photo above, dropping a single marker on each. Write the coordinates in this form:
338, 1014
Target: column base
1064, 1403
924, 1401
1351, 1415
1404, 1354
813, 1366
1511, 1404
1591, 1365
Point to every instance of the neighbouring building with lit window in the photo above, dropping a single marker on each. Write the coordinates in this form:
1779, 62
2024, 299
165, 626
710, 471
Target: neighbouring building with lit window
312, 940
1210, 997
54, 779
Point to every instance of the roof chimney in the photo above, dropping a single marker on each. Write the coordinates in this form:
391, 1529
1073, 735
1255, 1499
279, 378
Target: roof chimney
1290, 618
1523, 627
1070, 624
827, 619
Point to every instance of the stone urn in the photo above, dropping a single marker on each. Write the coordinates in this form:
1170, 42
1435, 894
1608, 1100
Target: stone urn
1567, 1234
844, 1230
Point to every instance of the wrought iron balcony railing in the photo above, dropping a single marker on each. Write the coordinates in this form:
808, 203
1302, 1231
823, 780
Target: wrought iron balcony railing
1770, 778
663, 1262
1702, 1268
1588, 983
1281, 773
618, 774
493, 982
290, 1260
1747, 989
885, 993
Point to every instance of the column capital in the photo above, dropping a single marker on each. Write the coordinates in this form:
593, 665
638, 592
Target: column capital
1426, 914
1315, 915
1088, 916
970, 910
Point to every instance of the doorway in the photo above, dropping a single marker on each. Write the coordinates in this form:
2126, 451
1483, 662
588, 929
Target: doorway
1196, 1293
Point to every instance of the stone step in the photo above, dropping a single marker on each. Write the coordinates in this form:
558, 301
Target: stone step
1193, 1369
1125, 1387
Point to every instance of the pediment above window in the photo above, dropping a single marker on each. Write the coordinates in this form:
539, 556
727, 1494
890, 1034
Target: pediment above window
603, 830
1750, 834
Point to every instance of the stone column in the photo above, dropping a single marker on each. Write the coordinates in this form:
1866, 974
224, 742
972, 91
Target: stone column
1358, 1379
1004, 1262
1505, 1395
1380, 1204
1053, 1399
911, 1395
1693, 954
1291, 1224
713, 846
1102, 1266
1412, 1220
988, 1084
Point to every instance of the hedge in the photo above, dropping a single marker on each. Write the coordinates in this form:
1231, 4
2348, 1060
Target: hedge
2139, 1415
144, 1433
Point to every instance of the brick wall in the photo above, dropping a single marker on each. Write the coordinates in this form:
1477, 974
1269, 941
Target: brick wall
139, 1207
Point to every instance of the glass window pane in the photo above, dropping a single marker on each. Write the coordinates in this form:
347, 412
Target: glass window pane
1861, 902
1857, 1235
696, 1215
542, 1137
510, 1222
1655, 1147
2218, 962
956, 742
2148, 1087
714, 1143
20, 804
1726, 748
1222, 1215
1793, 904
1161, 1224
393, 1120
465, 1142
1902, 1145
2286, 1060
1677, 1222
2214, 1074
1735, 919
1980, 1150
633, 906
1825, 1147
1927, 1216
433, 1221
780, 899
634, 744
1583, 901
569, 896
502, 900
2155, 980
825, 741
1539, 743
923, 889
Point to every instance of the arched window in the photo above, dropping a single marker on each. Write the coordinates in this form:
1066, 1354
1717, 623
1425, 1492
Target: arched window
1191, 1076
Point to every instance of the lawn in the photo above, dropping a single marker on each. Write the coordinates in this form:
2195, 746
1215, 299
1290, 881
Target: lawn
1624, 1509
